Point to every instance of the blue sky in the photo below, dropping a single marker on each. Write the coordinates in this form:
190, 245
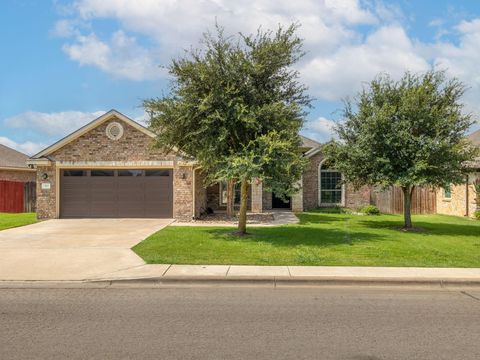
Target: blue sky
65, 62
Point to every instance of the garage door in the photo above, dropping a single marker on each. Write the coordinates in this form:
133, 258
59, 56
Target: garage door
125, 193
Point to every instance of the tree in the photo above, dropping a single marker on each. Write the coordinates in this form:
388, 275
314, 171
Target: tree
406, 133
236, 106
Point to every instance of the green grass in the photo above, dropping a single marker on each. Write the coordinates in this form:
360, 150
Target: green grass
324, 239
8, 220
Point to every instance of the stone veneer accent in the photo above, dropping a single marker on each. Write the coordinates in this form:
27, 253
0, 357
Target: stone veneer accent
200, 194
257, 196
267, 200
457, 204
17, 175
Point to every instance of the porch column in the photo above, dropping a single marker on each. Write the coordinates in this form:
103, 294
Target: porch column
257, 196
297, 199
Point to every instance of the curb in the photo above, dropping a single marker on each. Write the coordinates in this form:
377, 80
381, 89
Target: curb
276, 281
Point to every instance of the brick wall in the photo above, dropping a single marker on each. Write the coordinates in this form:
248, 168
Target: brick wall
200, 194
96, 146
46, 203
20, 176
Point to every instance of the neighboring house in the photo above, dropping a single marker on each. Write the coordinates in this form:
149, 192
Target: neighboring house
460, 200
16, 178
108, 168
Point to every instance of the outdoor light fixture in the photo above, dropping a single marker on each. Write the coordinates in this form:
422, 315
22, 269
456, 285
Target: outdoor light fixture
44, 176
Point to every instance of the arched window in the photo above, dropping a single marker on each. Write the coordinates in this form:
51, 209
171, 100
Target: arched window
330, 185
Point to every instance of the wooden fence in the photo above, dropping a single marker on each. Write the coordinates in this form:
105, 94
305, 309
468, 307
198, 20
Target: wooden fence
390, 201
16, 197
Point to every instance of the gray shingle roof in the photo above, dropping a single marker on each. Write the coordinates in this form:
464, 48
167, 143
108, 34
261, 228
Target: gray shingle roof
309, 143
12, 158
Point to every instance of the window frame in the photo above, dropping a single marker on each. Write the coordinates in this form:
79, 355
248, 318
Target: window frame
222, 186
449, 191
341, 189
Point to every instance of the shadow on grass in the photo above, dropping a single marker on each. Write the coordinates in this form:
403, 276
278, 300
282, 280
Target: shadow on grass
430, 228
288, 236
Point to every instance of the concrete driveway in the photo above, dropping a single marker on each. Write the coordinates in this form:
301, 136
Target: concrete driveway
76, 249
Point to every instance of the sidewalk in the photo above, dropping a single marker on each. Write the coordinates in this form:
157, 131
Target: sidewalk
294, 275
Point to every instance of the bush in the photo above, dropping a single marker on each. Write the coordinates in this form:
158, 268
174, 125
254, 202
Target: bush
476, 214
370, 210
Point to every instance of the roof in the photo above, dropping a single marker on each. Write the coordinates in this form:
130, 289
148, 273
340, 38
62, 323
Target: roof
309, 143
10, 158
475, 137
91, 125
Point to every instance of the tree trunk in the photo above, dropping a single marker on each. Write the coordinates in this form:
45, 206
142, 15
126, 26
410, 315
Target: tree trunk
242, 217
407, 206
230, 197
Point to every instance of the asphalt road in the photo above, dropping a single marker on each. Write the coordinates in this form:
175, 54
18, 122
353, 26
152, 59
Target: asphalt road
239, 323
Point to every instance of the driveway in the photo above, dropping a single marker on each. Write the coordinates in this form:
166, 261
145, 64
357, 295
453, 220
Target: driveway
76, 249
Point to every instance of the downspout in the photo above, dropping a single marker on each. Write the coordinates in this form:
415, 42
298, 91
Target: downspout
467, 210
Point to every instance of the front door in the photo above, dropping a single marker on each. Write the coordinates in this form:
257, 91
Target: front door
278, 203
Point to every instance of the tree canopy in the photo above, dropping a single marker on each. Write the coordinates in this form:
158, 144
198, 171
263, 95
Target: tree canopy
236, 106
407, 133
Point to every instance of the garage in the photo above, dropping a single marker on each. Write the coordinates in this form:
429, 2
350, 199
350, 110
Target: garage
116, 193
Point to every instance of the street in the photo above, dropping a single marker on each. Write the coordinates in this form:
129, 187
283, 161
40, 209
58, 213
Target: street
240, 323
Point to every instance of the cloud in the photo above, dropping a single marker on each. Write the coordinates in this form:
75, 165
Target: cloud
320, 129
342, 72
461, 60
51, 124
121, 56
27, 147
151, 32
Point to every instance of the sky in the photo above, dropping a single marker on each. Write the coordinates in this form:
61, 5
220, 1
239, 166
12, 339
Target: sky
64, 63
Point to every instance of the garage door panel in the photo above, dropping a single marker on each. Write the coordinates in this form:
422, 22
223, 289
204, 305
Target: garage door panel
117, 196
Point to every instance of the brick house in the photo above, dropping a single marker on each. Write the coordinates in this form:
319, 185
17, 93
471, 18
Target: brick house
16, 180
461, 200
108, 168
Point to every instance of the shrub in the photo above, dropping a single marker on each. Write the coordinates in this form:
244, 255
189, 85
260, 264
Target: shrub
370, 210
476, 214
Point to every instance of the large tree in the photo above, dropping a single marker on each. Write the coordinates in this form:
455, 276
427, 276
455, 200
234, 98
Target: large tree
406, 133
236, 106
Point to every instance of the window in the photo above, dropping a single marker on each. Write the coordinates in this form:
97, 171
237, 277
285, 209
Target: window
447, 192
330, 185
74, 173
223, 193
159, 172
129, 172
102, 173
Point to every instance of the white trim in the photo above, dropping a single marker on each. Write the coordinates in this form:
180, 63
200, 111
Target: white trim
342, 202
90, 126
12, 168
115, 164
312, 152
39, 162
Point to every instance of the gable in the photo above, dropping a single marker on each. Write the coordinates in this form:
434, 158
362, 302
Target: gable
97, 145
109, 116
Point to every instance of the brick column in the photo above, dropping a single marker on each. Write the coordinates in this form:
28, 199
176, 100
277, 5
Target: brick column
257, 196
297, 199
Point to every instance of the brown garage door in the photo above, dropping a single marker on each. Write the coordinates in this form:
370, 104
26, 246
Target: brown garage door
107, 193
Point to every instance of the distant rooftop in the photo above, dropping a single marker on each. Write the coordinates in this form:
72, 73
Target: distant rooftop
12, 158
475, 137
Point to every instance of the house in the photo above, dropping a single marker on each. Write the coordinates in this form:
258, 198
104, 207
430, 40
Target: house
16, 181
108, 168
461, 200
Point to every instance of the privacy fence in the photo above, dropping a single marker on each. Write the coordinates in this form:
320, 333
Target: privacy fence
16, 197
390, 201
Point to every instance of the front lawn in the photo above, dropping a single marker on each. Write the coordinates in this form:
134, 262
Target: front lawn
8, 220
324, 239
